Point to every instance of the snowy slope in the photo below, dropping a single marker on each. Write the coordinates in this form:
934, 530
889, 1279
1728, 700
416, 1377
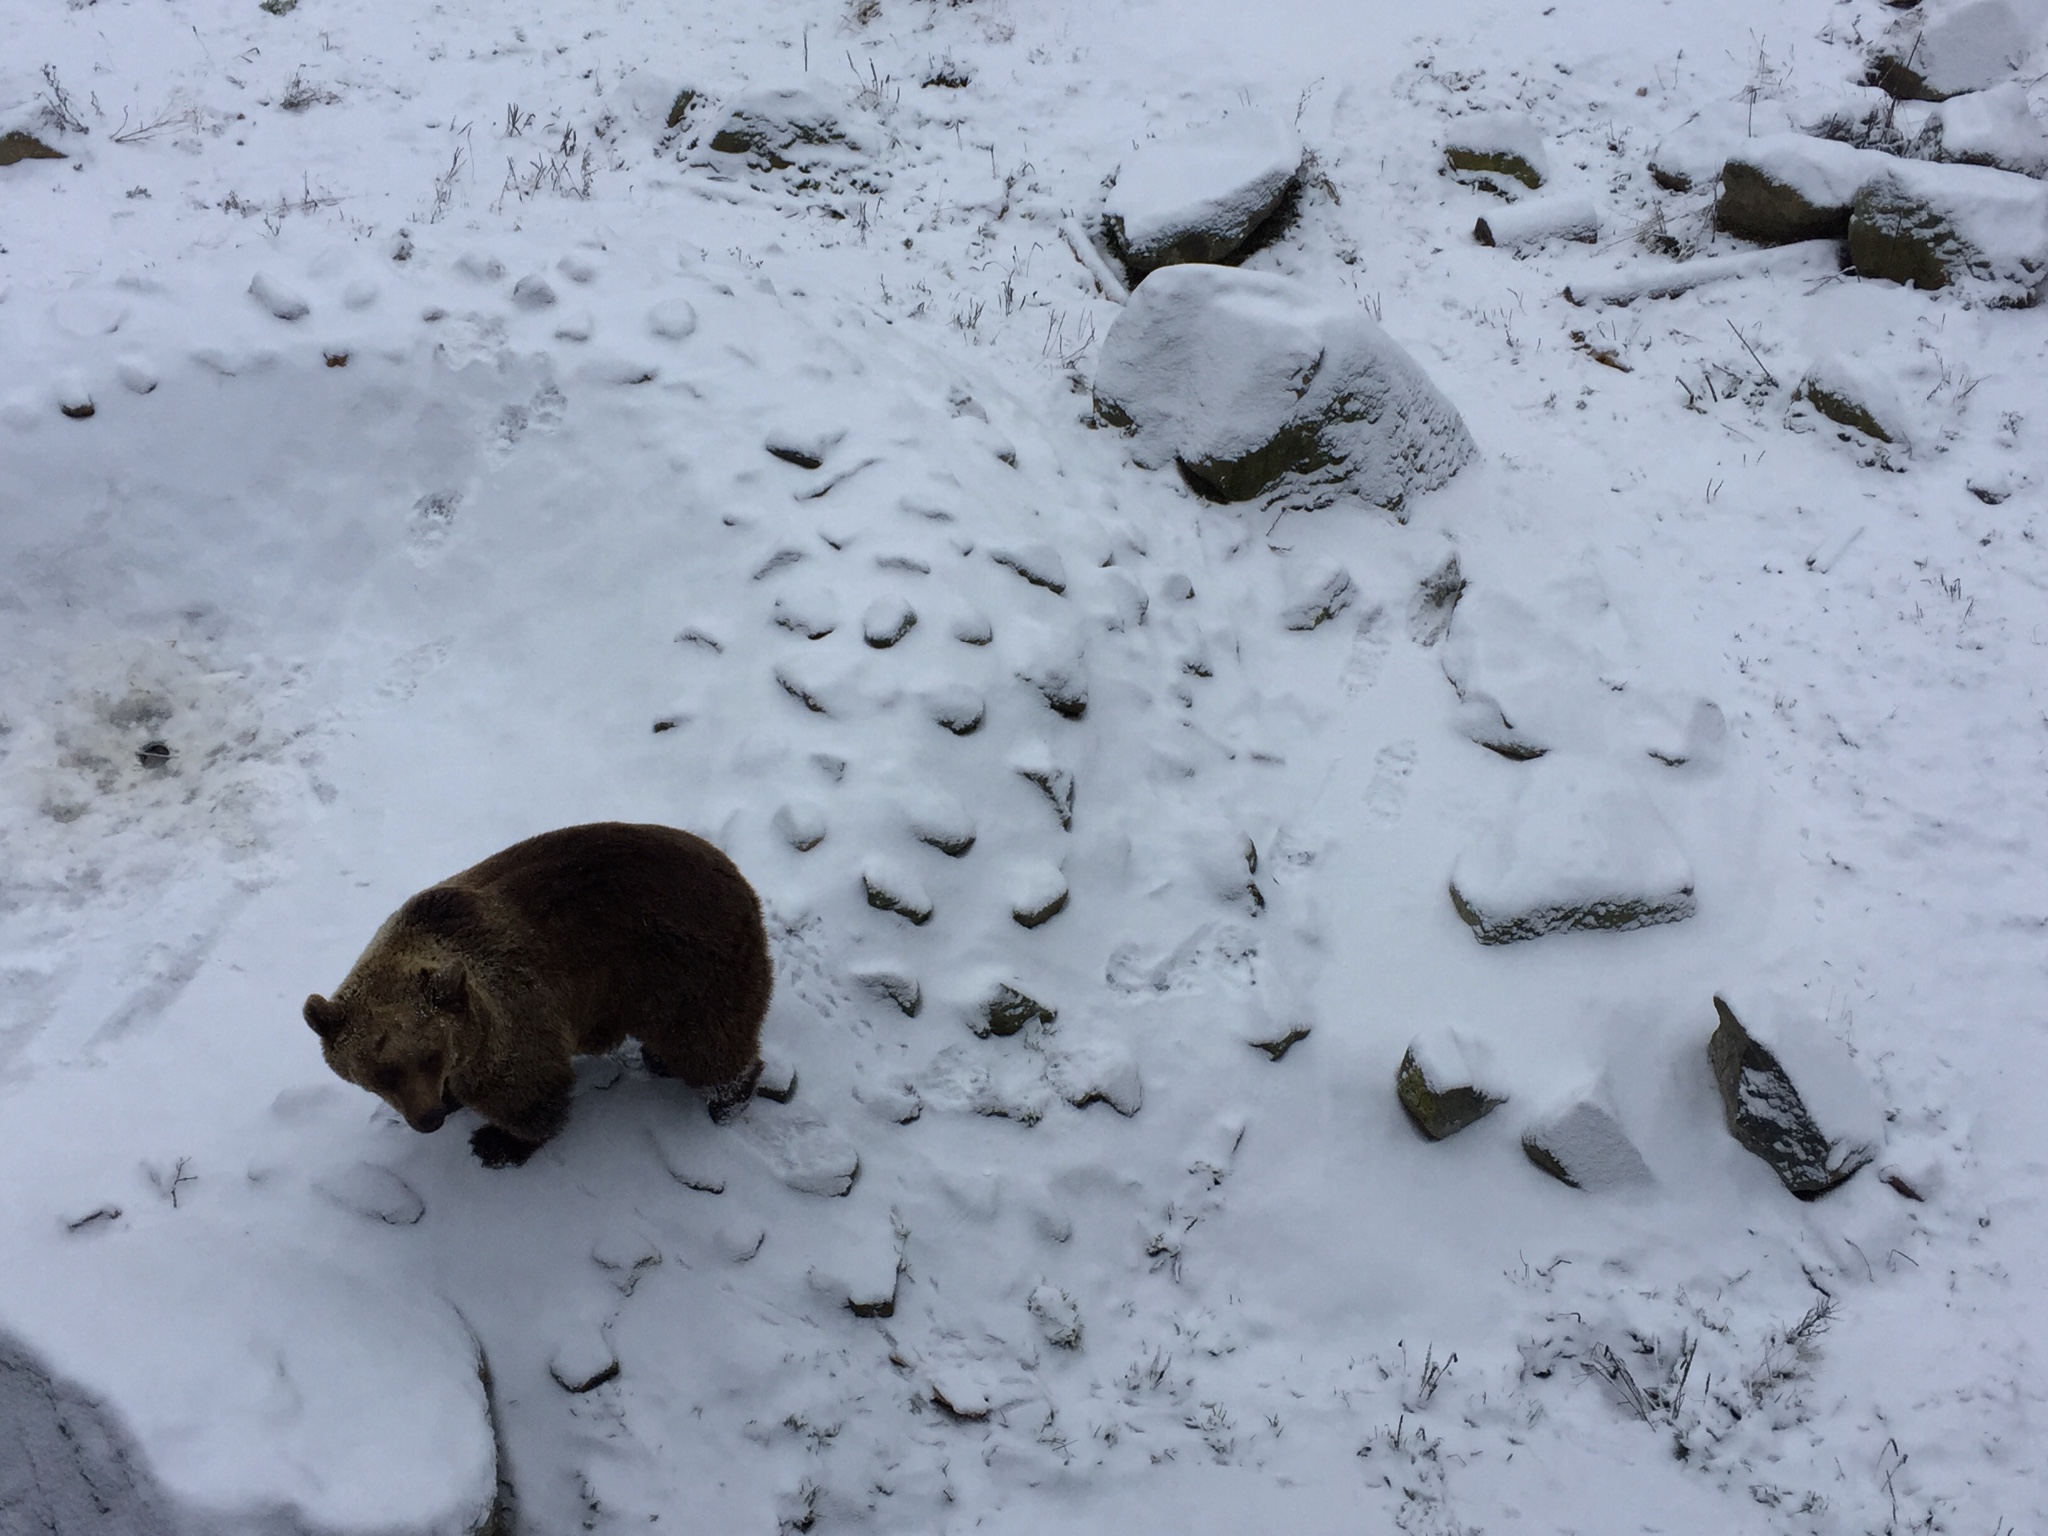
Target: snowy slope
427, 500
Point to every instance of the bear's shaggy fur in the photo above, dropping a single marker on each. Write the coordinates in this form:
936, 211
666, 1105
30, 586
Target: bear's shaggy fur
478, 991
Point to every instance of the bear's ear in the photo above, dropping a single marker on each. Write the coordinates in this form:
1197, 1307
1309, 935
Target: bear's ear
448, 988
326, 1017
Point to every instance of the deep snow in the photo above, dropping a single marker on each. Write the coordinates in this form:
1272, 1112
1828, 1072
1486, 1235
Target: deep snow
402, 559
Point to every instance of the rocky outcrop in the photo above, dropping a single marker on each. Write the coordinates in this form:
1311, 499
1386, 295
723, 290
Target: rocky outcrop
780, 128
1247, 380
1202, 196
1791, 1093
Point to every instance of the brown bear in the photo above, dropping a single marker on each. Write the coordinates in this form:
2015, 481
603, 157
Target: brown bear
478, 991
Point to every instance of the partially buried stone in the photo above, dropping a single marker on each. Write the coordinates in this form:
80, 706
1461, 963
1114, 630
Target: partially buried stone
1006, 1010
1791, 1094
891, 888
1438, 1087
887, 620
1582, 1144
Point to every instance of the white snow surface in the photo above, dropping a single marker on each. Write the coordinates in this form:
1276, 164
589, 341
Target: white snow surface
1212, 177
421, 571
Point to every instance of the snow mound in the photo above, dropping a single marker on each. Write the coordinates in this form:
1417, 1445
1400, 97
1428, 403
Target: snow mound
1200, 196
1245, 379
1498, 152
1581, 847
260, 1389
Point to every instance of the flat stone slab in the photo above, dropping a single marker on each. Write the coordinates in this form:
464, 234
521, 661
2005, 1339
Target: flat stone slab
1581, 847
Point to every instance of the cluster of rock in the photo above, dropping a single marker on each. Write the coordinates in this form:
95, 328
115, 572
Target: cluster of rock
1790, 1093
1942, 196
1247, 381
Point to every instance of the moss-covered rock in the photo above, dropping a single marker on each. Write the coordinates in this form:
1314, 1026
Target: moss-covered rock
1439, 1088
1979, 231
1787, 187
1006, 1010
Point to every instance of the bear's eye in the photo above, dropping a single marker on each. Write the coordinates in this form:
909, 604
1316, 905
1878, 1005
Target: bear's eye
386, 1079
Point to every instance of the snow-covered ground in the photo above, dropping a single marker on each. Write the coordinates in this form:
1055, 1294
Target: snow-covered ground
473, 450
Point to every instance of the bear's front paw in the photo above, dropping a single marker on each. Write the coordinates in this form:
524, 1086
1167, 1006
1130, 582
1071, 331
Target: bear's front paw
497, 1148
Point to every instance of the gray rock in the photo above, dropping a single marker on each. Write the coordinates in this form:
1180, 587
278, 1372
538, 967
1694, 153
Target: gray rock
17, 146
1498, 152
1582, 1144
1323, 594
1582, 847
1246, 380
1435, 601
780, 128
892, 888
1006, 1010
899, 987
1966, 48
1440, 1088
1979, 231
1995, 128
1791, 1094
959, 709
1202, 196
1786, 187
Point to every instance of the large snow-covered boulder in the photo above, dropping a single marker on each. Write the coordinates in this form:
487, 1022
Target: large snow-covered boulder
1959, 48
235, 1388
1792, 1094
1581, 847
1787, 186
1245, 379
1200, 196
1979, 231
1995, 128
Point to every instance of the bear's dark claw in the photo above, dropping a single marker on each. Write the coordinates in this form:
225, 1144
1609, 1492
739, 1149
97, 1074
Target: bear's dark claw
496, 1148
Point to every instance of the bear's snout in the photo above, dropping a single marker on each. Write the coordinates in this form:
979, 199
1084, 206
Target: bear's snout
430, 1121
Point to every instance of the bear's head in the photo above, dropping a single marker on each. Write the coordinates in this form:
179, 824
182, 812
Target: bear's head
394, 1031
